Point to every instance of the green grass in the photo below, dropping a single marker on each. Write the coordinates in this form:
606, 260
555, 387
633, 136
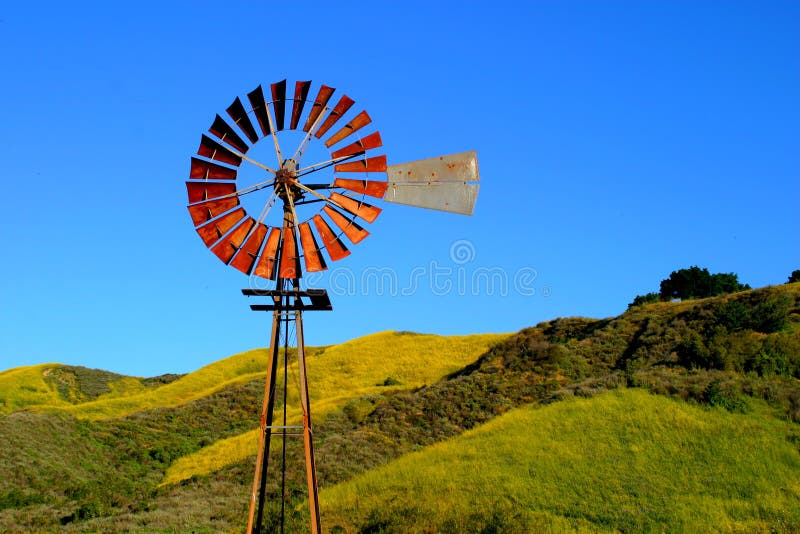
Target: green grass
24, 387
344, 372
623, 461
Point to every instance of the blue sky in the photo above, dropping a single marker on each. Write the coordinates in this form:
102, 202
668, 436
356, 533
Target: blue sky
617, 141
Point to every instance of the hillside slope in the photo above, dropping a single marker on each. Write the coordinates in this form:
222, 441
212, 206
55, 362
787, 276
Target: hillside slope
626, 460
131, 463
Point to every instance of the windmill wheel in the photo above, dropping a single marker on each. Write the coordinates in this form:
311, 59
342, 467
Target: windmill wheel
270, 244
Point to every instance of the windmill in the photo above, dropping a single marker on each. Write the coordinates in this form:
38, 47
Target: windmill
318, 206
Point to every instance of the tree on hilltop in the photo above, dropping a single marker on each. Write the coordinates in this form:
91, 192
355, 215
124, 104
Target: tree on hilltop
697, 283
694, 283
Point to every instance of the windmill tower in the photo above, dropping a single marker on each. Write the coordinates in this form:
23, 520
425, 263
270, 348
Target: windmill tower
317, 205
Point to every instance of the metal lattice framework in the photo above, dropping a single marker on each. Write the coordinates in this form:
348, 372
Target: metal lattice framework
323, 203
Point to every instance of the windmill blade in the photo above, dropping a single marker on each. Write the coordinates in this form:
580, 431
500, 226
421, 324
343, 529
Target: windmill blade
373, 140
361, 209
213, 150
338, 110
358, 122
290, 262
228, 245
212, 231
367, 187
237, 112
205, 211
202, 191
334, 246
353, 231
245, 259
300, 95
205, 170
376, 164
447, 183
313, 259
224, 131
259, 105
279, 103
265, 268
318, 107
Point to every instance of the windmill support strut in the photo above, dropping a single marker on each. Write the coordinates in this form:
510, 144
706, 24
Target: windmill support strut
287, 305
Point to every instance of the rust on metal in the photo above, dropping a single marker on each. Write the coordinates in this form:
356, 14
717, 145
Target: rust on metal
268, 261
351, 229
290, 262
228, 245
373, 140
300, 95
334, 246
279, 103
237, 112
256, 98
205, 211
361, 209
318, 107
202, 191
376, 164
358, 122
313, 259
224, 131
372, 188
212, 231
213, 150
248, 252
205, 170
336, 113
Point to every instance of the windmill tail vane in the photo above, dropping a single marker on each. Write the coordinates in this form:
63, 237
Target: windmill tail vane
311, 209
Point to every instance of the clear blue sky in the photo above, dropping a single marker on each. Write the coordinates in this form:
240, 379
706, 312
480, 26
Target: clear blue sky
618, 141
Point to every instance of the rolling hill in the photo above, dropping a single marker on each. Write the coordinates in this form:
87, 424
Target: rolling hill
669, 417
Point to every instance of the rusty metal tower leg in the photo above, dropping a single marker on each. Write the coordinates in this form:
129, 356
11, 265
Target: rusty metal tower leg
308, 435
262, 459
287, 304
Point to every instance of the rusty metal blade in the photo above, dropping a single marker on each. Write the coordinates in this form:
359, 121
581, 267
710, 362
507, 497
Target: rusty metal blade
268, 261
256, 98
361, 209
334, 246
248, 252
237, 112
212, 231
205, 170
290, 262
373, 140
224, 131
447, 183
205, 211
279, 103
376, 164
313, 259
300, 95
351, 229
336, 113
202, 191
228, 245
318, 107
367, 187
358, 122
213, 150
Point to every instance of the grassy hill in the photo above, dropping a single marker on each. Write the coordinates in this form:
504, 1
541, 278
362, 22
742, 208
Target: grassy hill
626, 460
59, 385
135, 455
